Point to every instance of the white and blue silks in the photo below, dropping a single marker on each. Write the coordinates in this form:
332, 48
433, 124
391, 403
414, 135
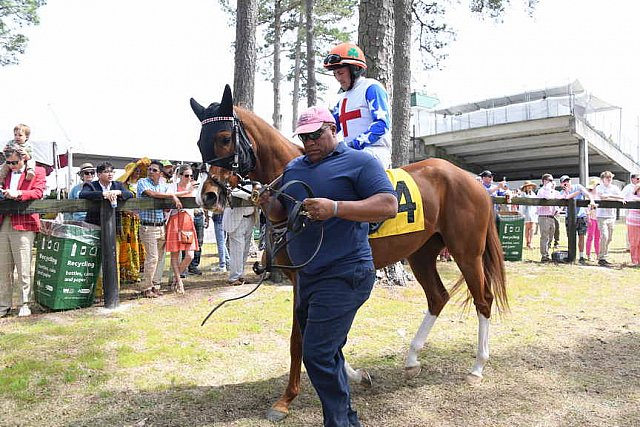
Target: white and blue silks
362, 115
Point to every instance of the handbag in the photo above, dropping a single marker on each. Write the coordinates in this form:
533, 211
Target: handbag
184, 236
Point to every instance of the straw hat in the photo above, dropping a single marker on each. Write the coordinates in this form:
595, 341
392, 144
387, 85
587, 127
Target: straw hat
593, 183
86, 167
528, 184
142, 163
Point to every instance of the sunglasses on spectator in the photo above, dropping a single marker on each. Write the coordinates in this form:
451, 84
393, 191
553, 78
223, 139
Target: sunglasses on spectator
153, 170
88, 172
313, 135
188, 175
13, 162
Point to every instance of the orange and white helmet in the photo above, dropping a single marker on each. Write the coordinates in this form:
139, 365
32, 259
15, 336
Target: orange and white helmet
345, 54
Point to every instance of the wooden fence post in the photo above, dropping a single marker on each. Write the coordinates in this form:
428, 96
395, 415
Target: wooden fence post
571, 228
108, 246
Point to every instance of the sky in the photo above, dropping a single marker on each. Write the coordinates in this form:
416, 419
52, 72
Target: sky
115, 77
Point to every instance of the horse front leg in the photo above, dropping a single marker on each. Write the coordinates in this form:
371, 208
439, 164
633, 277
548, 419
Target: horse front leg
412, 367
482, 354
280, 409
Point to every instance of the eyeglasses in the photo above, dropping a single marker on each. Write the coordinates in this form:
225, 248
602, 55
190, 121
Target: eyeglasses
304, 137
332, 58
153, 170
88, 172
13, 162
187, 175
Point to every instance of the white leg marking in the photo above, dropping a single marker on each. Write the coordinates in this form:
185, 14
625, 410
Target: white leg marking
353, 375
482, 355
418, 341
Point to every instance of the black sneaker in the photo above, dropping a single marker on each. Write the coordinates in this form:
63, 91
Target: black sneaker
195, 271
604, 263
545, 259
582, 260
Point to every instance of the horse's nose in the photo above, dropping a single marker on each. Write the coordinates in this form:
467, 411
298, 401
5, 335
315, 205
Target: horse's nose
210, 199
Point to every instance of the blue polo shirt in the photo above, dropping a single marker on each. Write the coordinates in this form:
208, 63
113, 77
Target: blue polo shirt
344, 175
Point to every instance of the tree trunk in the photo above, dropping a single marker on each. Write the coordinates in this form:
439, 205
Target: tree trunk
277, 75
401, 108
245, 56
375, 38
312, 96
296, 72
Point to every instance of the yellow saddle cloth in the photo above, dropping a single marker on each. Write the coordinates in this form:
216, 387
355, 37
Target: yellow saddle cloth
410, 216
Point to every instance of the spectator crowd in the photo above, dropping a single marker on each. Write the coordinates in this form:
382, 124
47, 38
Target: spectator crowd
145, 237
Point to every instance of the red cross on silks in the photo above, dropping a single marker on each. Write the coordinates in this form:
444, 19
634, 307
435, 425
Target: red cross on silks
346, 116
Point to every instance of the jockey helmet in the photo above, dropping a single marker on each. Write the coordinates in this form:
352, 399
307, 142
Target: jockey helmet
345, 54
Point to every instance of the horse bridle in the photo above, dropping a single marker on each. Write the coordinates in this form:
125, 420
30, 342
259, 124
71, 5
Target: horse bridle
297, 220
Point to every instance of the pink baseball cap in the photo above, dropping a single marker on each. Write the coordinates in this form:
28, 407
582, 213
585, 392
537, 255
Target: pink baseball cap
312, 119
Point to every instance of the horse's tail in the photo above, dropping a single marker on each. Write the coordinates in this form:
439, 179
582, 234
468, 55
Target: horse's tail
493, 267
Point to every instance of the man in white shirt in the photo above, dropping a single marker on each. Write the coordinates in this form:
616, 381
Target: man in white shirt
237, 221
606, 216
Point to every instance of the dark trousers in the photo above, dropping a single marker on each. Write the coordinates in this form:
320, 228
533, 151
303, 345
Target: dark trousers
327, 304
198, 221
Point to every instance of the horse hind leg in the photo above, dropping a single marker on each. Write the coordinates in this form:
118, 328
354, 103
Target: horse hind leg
423, 264
482, 354
472, 271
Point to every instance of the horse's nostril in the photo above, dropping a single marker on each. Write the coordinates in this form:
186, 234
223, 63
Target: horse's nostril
210, 198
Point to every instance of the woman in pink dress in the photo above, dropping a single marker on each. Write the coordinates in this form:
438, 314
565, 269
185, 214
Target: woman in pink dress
181, 231
633, 227
593, 232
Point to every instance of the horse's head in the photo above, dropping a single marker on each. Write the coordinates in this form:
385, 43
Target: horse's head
224, 147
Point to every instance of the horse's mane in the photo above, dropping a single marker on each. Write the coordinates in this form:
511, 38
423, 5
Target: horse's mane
267, 141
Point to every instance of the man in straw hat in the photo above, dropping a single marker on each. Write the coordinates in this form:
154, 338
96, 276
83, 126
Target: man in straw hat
87, 173
546, 215
529, 211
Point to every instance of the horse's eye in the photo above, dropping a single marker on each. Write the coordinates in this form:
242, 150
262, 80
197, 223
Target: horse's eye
226, 140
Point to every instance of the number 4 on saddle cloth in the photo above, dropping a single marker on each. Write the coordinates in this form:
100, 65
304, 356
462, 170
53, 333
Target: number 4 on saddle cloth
410, 216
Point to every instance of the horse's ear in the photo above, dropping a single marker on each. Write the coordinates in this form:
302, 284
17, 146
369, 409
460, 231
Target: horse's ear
226, 106
197, 109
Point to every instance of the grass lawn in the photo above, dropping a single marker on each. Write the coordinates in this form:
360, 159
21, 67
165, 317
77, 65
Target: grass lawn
566, 355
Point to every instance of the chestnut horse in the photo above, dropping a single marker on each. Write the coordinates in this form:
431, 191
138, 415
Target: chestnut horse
457, 210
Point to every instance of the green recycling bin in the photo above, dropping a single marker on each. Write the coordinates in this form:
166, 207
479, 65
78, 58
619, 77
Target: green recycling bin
67, 264
510, 230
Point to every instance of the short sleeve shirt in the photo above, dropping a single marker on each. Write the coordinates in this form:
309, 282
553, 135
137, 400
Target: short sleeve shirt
151, 215
344, 175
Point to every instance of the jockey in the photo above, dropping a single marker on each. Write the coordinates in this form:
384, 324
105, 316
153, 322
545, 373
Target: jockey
362, 113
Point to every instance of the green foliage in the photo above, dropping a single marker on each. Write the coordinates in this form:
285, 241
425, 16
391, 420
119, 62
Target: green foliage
15, 15
331, 22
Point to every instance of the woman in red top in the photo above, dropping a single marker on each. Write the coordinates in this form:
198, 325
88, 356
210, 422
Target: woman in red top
181, 231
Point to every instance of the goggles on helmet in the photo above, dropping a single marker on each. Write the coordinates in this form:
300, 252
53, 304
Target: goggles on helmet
332, 59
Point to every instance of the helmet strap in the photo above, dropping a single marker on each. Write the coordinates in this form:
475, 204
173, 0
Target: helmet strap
354, 72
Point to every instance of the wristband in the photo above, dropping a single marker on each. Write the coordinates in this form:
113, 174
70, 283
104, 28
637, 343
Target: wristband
335, 208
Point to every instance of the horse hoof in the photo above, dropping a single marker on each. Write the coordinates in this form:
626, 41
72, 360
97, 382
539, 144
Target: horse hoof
412, 371
366, 379
276, 416
473, 379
